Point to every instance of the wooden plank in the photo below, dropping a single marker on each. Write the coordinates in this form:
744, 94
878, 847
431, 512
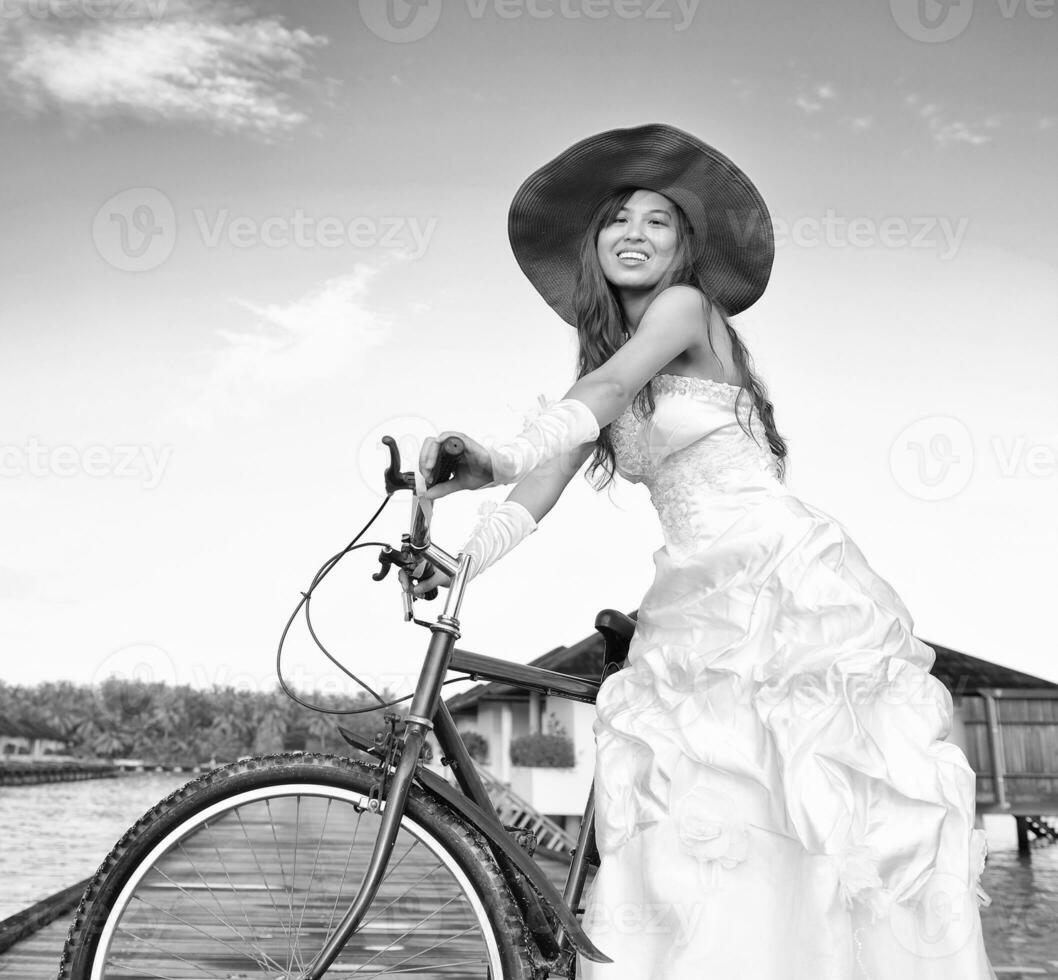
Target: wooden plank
17, 927
203, 892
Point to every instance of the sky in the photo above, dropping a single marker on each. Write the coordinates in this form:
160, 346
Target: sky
240, 243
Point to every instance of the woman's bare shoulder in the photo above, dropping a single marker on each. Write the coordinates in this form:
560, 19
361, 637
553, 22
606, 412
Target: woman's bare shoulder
680, 296
712, 342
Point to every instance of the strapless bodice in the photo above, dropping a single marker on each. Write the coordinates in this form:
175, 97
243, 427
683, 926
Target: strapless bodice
694, 449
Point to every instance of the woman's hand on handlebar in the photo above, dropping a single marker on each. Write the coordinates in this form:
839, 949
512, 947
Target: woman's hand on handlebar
437, 580
472, 470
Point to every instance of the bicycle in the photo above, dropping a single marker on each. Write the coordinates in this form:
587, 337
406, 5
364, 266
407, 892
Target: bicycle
300, 866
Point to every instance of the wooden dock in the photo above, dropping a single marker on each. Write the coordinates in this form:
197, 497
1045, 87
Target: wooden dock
36, 957
30, 772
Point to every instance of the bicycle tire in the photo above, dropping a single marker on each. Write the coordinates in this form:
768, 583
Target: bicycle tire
149, 910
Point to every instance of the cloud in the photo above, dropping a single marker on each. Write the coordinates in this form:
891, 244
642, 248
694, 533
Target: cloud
813, 102
291, 346
958, 132
180, 60
807, 105
744, 87
944, 131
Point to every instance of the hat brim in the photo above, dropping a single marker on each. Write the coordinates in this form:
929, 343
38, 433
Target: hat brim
734, 242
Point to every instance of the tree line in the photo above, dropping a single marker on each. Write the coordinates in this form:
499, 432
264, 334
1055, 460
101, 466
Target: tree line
181, 725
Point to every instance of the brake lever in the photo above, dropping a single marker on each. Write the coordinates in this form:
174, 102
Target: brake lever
395, 479
408, 596
386, 560
452, 450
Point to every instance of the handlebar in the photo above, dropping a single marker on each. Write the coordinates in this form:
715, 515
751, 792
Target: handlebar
451, 452
417, 540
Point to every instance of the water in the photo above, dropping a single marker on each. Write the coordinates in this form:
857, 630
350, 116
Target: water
1021, 924
57, 833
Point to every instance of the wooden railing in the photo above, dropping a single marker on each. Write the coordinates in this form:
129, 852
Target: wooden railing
1014, 747
515, 811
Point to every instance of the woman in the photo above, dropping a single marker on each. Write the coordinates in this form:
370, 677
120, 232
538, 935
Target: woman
775, 798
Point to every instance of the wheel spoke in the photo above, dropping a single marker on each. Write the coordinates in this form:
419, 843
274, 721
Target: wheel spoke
407, 932
268, 888
264, 961
248, 880
200, 931
224, 868
447, 939
345, 871
382, 911
315, 865
169, 952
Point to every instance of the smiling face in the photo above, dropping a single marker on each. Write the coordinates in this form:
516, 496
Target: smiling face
637, 248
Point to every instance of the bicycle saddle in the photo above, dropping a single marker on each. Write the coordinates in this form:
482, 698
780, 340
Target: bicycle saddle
617, 629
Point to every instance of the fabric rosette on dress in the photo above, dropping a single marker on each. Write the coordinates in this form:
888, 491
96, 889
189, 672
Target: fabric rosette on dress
711, 831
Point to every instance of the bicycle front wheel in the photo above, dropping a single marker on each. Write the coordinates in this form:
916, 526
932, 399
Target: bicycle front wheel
246, 871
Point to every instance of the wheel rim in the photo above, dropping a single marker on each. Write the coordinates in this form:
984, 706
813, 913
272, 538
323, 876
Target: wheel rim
251, 886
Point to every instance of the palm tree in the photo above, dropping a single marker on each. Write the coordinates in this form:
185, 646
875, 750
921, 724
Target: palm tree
271, 727
322, 727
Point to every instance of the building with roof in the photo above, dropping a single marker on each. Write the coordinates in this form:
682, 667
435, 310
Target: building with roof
24, 739
1004, 719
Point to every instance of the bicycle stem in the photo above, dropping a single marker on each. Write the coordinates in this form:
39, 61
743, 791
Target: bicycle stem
444, 634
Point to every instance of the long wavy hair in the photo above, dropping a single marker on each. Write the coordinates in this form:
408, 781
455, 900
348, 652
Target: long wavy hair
602, 328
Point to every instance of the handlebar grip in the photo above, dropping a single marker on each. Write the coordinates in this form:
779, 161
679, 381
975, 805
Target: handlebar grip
451, 452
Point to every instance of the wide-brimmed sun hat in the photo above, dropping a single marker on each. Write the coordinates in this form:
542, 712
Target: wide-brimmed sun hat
734, 244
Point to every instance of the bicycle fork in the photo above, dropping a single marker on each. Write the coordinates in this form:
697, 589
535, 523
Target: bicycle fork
423, 705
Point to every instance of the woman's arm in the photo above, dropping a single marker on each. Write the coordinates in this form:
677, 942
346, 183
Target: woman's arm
539, 491
507, 526
674, 322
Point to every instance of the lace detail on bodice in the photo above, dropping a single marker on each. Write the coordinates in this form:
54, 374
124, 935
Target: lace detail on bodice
693, 448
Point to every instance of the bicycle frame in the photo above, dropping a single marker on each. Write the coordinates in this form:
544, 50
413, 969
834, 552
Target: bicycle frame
428, 712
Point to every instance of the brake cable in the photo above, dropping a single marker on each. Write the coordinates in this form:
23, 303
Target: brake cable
306, 598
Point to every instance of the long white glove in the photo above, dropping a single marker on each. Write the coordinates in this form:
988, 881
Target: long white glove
500, 530
560, 429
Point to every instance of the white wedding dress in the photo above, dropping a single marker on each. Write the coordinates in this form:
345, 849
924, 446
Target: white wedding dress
775, 797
